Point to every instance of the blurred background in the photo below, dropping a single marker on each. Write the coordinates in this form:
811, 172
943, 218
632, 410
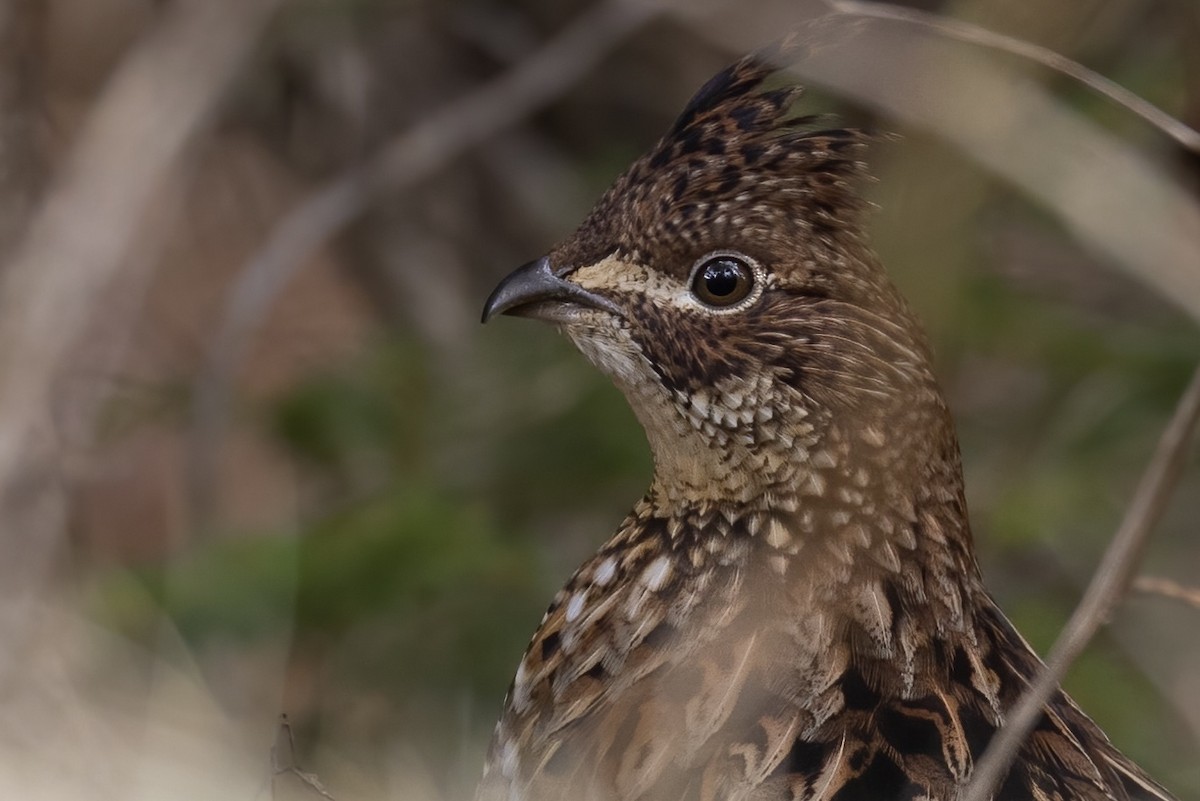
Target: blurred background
252, 469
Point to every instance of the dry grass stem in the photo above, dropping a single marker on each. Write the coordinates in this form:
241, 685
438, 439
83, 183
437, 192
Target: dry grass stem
1166, 588
283, 761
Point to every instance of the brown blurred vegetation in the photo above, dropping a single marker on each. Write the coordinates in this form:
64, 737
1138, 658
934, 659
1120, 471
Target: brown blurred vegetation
397, 492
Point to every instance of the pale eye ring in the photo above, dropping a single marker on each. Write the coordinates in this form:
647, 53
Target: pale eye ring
724, 279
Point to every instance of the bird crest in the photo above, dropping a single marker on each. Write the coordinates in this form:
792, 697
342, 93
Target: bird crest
737, 163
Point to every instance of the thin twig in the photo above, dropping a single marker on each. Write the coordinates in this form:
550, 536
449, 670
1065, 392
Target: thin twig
1186, 136
415, 155
1164, 587
283, 760
1109, 583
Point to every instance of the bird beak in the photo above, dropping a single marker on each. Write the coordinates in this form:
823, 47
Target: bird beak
535, 291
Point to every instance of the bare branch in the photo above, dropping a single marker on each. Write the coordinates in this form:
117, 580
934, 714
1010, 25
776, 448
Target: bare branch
283, 760
1186, 136
1164, 587
1109, 583
413, 156
76, 244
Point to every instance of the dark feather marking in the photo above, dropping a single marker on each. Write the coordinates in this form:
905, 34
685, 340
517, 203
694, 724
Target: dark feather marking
858, 694
909, 733
805, 758
550, 646
880, 780
660, 635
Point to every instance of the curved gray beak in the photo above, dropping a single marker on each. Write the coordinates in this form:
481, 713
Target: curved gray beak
533, 290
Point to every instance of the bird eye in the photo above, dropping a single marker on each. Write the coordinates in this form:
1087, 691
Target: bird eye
723, 281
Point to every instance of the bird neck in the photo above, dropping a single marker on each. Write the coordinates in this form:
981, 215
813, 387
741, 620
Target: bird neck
866, 494
868, 508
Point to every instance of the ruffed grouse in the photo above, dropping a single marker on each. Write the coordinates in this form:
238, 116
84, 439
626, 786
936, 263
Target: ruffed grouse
793, 611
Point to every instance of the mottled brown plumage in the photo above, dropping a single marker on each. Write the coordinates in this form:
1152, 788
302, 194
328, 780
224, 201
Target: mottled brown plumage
793, 611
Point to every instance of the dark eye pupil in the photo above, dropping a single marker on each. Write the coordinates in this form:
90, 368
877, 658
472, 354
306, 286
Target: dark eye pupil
721, 278
723, 281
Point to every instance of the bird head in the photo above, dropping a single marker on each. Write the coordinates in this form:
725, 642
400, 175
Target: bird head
724, 283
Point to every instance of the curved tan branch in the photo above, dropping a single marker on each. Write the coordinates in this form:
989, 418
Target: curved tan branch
1186, 136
